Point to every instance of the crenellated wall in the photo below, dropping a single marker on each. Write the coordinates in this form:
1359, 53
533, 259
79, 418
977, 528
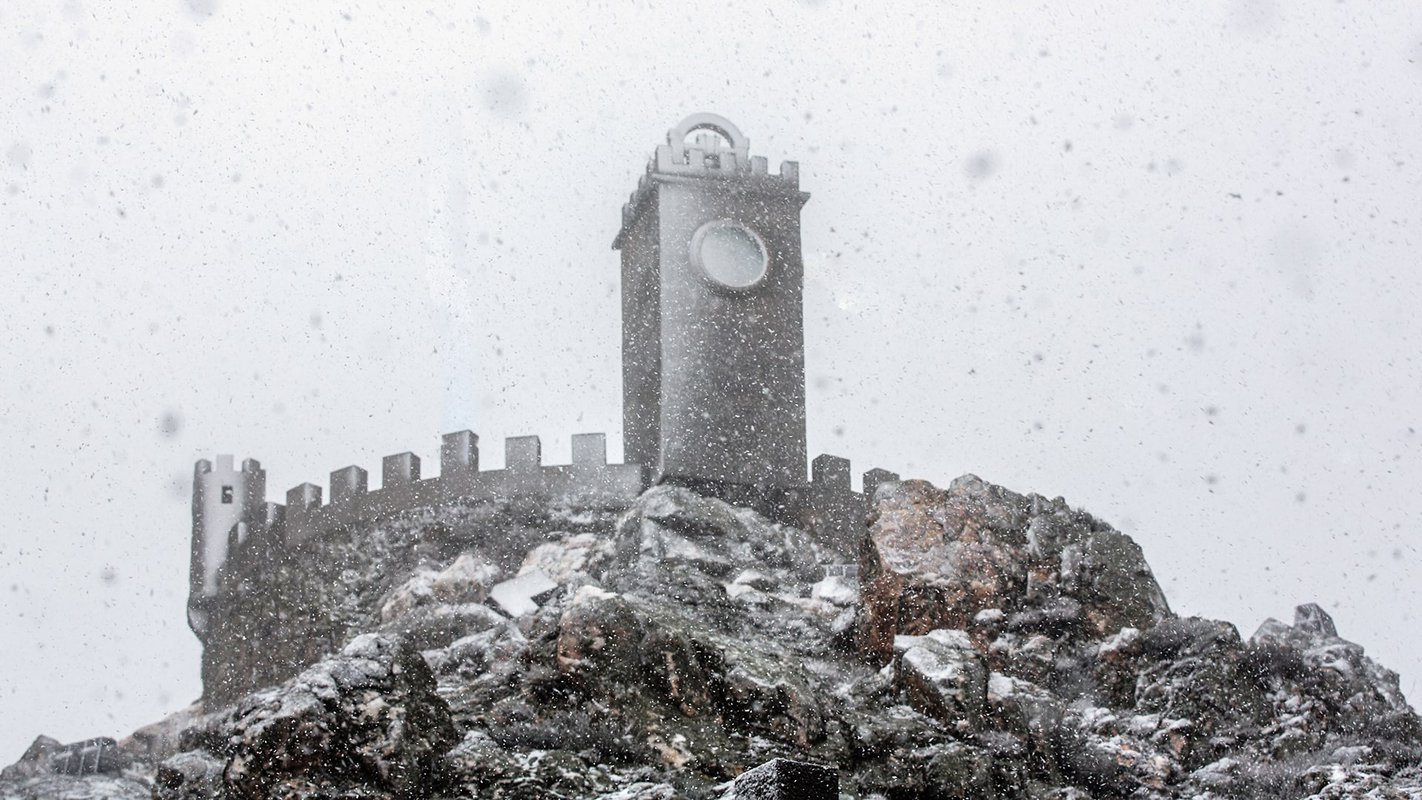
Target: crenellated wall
257, 571
403, 488
230, 506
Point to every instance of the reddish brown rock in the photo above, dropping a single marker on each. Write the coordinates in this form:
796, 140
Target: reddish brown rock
936, 558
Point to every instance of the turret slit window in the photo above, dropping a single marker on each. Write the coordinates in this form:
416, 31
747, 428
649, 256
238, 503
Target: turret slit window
227, 495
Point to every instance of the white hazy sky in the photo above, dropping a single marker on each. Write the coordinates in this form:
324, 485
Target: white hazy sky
1160, 259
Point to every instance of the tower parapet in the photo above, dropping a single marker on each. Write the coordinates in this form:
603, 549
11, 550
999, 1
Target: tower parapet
707, 146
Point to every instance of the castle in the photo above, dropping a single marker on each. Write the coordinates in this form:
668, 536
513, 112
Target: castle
713, 378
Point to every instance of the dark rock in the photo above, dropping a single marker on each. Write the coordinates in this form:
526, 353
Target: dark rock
1311, 620
943, 676
194, 775
35, 759
956, 771
783, 779
606, 640
366, 717
1189, 669
1028, 711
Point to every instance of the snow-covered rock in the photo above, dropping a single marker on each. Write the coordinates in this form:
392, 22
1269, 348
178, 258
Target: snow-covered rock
998, 646
943, 675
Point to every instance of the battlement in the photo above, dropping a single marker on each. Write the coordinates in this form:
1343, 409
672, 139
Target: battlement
834, 512
827, 505
223, 466
230, 506
235, 529
707, 146
307, 514
235, 545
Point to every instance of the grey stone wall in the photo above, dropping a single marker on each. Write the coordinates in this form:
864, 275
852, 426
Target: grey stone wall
230, 505
279, 598
276, 603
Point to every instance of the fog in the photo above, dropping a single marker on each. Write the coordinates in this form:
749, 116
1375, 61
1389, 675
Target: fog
1159, 260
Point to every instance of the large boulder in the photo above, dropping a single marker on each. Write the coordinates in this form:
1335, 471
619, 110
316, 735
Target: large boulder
367, 717
607, 643
783, 779
679, 546
466, 580
939, 558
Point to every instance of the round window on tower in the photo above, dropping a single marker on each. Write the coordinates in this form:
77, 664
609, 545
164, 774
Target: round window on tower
730, 254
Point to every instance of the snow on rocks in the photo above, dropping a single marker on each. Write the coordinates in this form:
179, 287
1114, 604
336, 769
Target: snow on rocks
943, 676
466, 580
368, 716
1002, 646
937, 558
836, 590
569, 556
522, 594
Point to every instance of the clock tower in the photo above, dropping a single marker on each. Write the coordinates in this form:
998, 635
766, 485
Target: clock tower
713, 354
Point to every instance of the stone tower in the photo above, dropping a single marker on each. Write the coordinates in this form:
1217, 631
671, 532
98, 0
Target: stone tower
227, 503
713, 356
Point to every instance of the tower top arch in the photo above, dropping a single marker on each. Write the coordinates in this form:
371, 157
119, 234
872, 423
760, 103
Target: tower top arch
720, 154
732, 140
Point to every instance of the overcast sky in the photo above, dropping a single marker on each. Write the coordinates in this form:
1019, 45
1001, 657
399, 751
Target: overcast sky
1160, 259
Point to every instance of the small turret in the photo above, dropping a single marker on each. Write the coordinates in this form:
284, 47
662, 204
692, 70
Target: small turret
227, 504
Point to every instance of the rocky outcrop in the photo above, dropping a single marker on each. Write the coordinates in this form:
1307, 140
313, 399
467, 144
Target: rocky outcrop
367, 718
783, 779
995, 646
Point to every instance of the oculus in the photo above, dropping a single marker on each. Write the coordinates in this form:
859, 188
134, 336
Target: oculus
731, 255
